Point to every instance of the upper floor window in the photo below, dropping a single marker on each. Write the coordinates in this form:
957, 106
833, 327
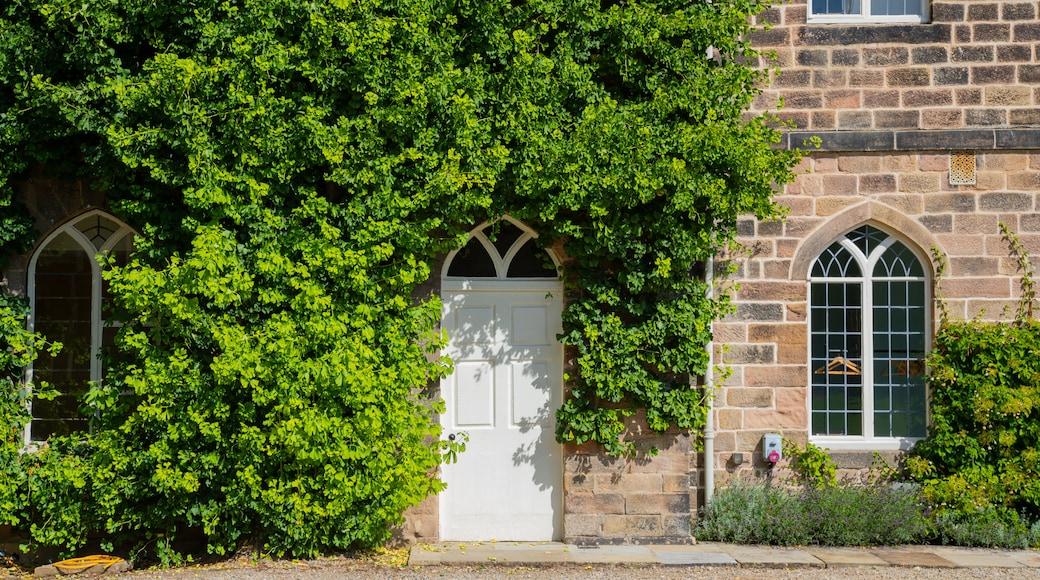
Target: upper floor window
853, 11
67, 295
868, 325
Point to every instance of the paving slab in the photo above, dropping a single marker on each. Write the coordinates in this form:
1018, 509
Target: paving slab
840, 557
769, 557
614, 554
1027, 558
976, 557
692, 556
915, 556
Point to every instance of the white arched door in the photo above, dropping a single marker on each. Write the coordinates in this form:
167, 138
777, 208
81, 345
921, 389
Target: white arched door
502, 304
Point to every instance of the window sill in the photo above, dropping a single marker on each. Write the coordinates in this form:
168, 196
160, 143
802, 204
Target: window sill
865, 444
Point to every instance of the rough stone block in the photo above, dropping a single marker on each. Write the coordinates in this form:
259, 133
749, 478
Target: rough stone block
929, 55
937, 223
991, 32
1015, 202
989, 75
966, 97
976, 224
792, 79
583, 525
750, 354
676, 483
1029, 181
594, 503
942, 119
1019, 11
628, 525
866, 78
657, 503
627, 482
1029, 73
880, 99
998, 96
962, 244
746, 311
775, 376
908, 77
985, 117
951, 75
749, 398
1013, 53
928, 98
1026, 32
772, 291
919, 182
973, 266
797, 227
897, 119
947, 12
842, 99
988, 11
676, 525
838, 185
909, 204
823, 120
845, 57
877, 183
803, 100
977, 288
811, 57
855, 120
886, 56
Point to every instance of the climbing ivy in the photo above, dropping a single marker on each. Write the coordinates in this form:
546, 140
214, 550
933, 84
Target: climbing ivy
294, 169
984, 382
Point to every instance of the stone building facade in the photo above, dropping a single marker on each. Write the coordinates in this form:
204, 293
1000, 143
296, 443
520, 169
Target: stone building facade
929, 134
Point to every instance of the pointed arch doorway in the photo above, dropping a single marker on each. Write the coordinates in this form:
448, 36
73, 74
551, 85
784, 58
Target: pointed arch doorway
502, 303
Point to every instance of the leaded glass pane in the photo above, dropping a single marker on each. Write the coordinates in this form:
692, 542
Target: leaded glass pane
97, 228
836, 351
836, 262
895, 7
899, 338
503, 234
836, 6
898, 261
867, 238
472, 261
531, 262
63, 314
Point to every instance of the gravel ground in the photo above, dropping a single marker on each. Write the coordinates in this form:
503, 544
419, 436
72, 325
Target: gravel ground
390, 566
343, 568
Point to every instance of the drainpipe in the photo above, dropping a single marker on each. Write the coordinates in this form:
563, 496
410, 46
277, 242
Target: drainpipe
709, 392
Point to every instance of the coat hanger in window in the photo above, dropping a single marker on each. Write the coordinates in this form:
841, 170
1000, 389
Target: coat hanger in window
839, 365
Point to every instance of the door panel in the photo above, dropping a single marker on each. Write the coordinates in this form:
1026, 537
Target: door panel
507, 384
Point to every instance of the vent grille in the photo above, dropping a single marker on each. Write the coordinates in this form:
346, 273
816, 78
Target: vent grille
962, 168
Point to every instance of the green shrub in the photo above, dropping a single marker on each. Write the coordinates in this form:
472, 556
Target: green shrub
988, 527
845, 514
982, 453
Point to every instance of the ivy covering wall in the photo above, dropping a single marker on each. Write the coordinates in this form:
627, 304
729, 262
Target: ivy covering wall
293, 170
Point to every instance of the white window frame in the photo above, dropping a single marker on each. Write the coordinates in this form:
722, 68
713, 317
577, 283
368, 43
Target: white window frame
865, 17
97, 323
867, 441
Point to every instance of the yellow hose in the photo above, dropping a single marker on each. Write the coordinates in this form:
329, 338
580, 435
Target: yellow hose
80, 564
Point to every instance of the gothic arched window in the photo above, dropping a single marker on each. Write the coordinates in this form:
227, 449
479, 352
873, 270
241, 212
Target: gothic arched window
67, 295
868, 319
